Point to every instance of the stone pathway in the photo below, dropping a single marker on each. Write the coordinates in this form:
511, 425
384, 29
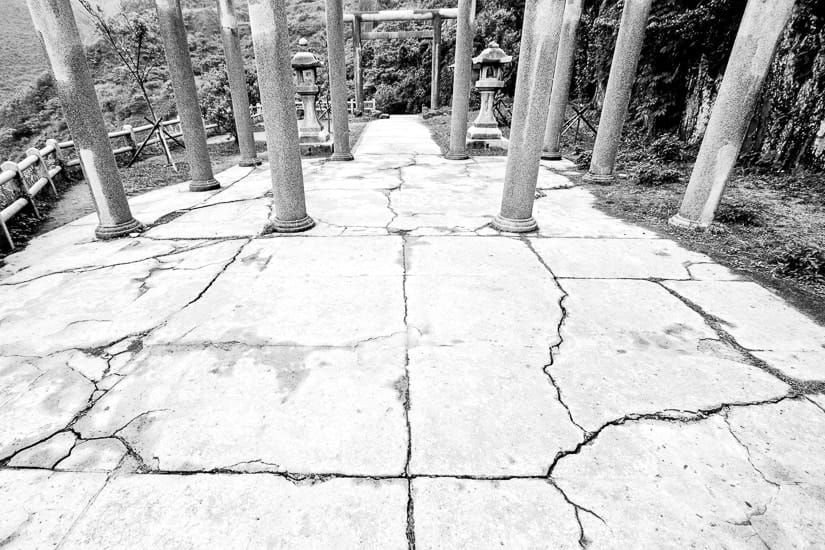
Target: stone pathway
400, 376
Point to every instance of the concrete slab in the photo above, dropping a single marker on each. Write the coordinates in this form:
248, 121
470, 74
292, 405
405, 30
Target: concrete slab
658, 356
617, 258
348, 290
221, 220
466, 421
801, 365
660, 484
757, 318
278, 409
36, 403
38, 508
515, 513
781, 440
117, 301
238, 512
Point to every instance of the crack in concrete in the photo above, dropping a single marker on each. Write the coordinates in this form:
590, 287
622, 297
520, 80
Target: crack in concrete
717, 324
407, 402
583, 541
554, 348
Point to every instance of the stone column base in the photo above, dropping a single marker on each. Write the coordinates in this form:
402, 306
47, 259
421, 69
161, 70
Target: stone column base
509, 225
599, 179
282, 226
551, 155
248, 163
208, 185
680, 221
106, 232
341, 157
457, 155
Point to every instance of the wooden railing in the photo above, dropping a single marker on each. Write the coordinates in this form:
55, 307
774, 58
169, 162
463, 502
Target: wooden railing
28, 177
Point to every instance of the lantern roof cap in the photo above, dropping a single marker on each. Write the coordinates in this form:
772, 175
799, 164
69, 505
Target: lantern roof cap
304, 59
493, 55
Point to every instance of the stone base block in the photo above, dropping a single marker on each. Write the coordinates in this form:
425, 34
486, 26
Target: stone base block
316, 148
502, 144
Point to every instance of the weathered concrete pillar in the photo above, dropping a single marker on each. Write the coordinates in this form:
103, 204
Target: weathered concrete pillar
357, 70
619, 86
173, 33
237, 83
539, 47
462, 77
435, 82
55, 23
338, 80
759, 32
270, 36
561, 80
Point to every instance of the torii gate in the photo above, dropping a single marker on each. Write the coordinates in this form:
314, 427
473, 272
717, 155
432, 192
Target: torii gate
359, 17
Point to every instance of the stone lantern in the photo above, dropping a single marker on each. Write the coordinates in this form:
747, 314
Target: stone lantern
485, 133
312, 135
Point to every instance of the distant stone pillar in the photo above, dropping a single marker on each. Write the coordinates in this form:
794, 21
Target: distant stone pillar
462, 77
539, 47
759, 32
237, 83
55, 23
561, 80
270, 36
435, 83
619, 86
357, 70
338, 80
173, 33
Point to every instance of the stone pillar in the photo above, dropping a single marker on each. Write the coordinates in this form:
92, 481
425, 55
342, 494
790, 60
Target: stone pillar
270, 36
173, 33
357, 71
759, 32
539, 47
619, 86
237, 83
561, 80
55, 23
435, 102
462, 77
338, 80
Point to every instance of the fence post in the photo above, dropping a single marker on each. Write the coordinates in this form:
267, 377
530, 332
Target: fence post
43, 168
21, 182
131, 139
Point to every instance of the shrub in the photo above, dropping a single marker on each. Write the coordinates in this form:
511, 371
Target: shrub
216, 101
649, 175
740, 212
669, 148
801, 260
583, 160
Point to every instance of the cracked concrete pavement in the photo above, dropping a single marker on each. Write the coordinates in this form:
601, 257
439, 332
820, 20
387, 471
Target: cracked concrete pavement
400, 376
